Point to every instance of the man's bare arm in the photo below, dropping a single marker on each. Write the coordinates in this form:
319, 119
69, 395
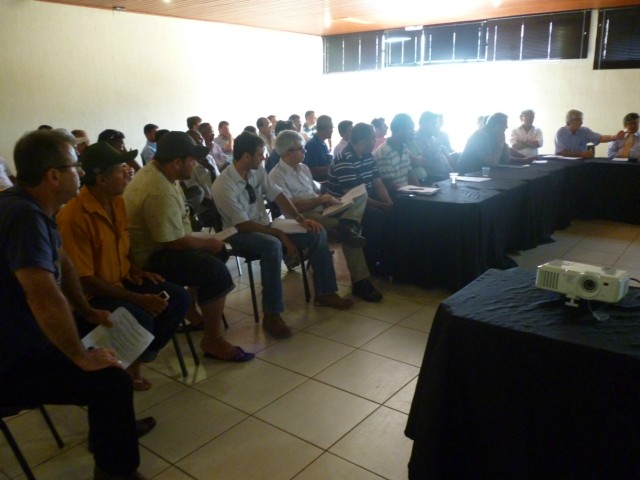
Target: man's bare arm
53, 314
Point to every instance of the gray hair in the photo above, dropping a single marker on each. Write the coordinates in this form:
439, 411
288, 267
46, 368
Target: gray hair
288, 140
574, 115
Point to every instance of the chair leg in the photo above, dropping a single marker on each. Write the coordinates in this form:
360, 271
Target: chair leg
224, 322
183, 367
16, 451
305, 280
239, 266
51, 426
252, 286
192, 348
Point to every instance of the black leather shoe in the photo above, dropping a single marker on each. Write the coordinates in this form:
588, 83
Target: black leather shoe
144, 426
348, 233
364, 290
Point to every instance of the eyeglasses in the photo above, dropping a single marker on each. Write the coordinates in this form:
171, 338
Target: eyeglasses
76, 165
252, 193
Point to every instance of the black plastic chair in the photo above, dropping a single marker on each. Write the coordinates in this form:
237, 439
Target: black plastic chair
9, 411
192, 348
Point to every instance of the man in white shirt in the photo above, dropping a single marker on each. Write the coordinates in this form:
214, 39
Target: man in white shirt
238, 196
527, 139
344, 129
296, 181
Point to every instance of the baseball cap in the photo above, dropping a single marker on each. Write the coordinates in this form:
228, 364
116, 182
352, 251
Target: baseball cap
179, 145
101, 156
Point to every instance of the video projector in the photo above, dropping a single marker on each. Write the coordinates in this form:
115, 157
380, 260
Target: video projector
578, 280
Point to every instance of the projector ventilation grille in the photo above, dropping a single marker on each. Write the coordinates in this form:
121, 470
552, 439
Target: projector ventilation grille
548, 279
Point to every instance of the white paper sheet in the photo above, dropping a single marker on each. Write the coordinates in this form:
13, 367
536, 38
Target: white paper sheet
127, 337
221, 235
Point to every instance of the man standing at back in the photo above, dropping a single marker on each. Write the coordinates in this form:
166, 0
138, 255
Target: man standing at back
42, 359
161, 239
527, 139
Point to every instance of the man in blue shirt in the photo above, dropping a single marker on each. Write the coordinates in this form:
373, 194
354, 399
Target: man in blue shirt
149, 150
572, 139
317, 156
42, 359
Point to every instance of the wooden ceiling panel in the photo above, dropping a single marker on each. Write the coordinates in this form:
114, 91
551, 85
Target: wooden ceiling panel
331, 17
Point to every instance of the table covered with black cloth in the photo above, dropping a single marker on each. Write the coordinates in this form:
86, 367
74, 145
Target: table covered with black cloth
614, 191
450, 238
515, 384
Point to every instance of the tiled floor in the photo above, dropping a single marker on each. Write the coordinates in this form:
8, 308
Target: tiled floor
329, 403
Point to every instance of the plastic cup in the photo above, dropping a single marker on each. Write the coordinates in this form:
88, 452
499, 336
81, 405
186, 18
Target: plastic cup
453, 176
485, 171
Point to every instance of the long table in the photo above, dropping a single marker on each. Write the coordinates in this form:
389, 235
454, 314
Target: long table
452, 237
515, 384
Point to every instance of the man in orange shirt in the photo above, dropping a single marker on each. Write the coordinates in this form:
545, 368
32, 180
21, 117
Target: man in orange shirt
93, 226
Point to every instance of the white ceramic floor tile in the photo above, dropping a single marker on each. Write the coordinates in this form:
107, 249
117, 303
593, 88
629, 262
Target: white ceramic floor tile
334, 413
252, 385
391, 309
249, 335
304, 353
368, 375
35, 439
162, 387
185, 422
402, 400
378, 444
421, 319
348, 328
400, 343
251, 450
173, 474
331, 467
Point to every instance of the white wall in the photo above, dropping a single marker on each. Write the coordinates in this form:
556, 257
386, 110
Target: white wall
94, 69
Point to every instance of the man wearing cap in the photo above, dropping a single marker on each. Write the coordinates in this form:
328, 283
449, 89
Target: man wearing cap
149, 149
238, 195
93, 230
161, 239
115, 138
42, 359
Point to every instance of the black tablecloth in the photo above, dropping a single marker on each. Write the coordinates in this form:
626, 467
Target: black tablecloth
514, 384
448, 239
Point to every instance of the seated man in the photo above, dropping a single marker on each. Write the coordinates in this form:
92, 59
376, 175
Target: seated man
344, 129
238, 195
356, 166
630, 144
527, 139
487, 147
294, 178
149, 149
274, 156
93, 230
572, 139
394, 159
431, 161
215, 151
161, 239
116, 138
381, 129
265, 132
42, 359
225, 140
318, 157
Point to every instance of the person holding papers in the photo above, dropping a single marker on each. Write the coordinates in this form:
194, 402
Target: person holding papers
42, 360
162, 240
238, 195
295, 180
630, 143
93, 227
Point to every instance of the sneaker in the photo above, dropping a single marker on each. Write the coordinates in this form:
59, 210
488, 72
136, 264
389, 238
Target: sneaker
364, 290
348, 234
275, 326
333, 300
292, 261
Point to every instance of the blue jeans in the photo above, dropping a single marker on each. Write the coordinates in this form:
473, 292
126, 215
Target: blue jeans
162, 327
269, 250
